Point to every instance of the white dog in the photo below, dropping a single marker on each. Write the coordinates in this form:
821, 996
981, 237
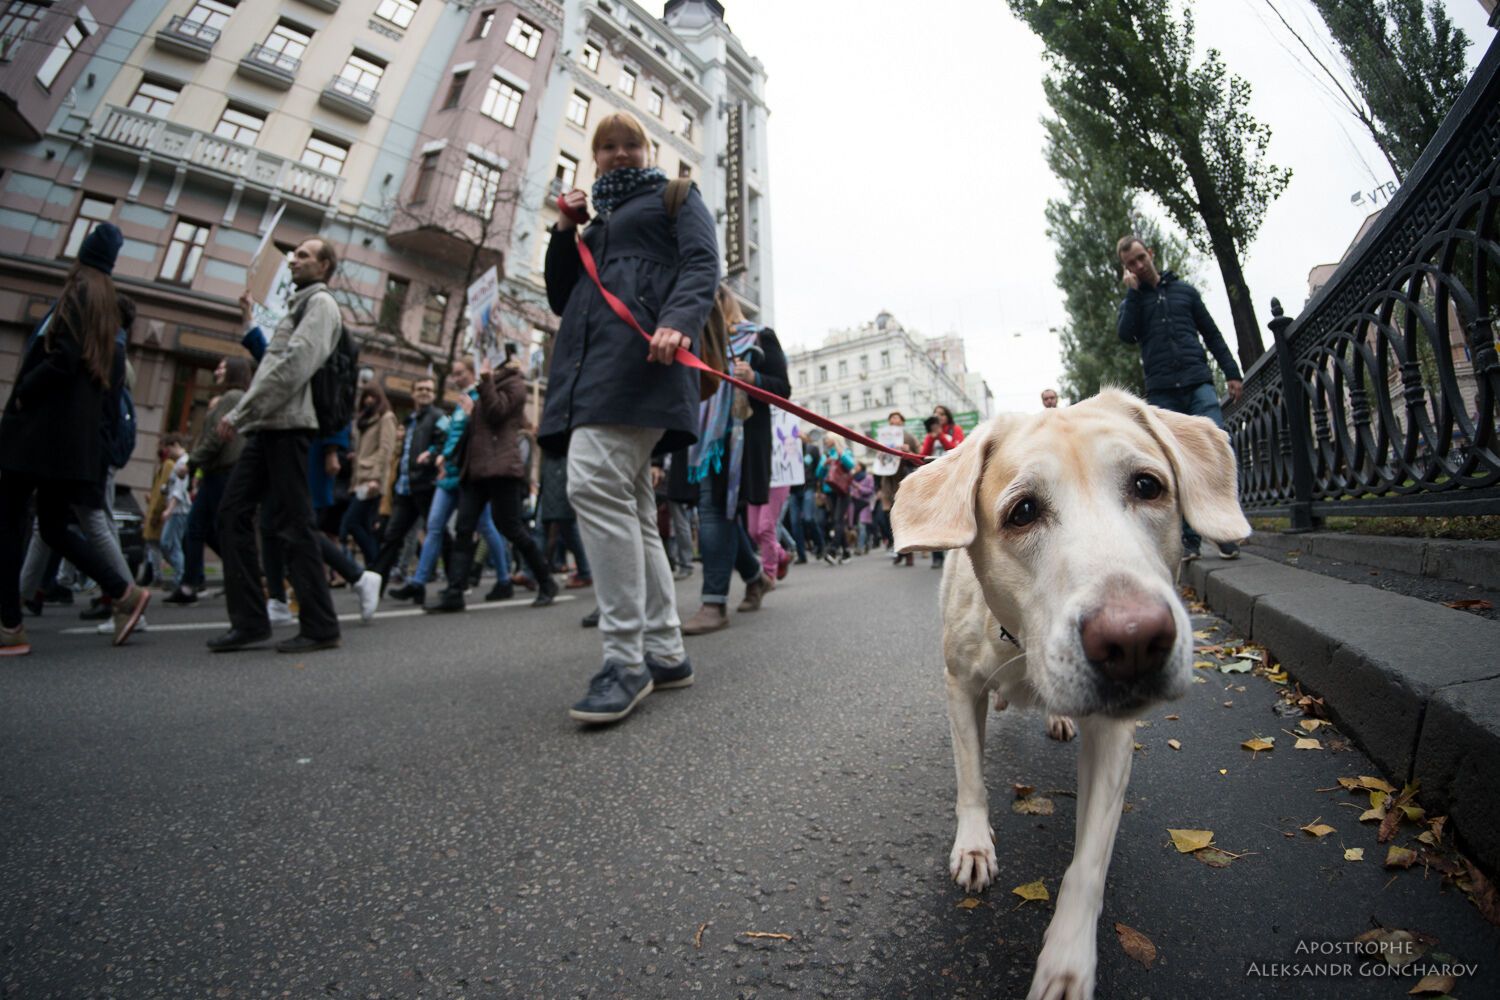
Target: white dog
1067, 526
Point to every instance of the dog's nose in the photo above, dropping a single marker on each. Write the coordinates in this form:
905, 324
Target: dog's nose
1128, 639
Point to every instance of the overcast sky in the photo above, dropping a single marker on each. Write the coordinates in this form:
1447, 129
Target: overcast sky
907, 171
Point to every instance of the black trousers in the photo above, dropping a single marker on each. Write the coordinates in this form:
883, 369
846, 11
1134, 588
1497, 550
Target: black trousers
272, 470
504, 494
406, 512
55, 499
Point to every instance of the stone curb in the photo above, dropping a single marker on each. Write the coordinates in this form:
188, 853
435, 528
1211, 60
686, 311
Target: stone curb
1414, 684
1471, 562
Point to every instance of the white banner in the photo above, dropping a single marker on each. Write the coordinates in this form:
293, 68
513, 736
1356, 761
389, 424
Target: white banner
786, 449
484, 319
267, 314
892, 436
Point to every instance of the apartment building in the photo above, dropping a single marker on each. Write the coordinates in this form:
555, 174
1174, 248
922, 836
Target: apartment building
399, 129
859, 375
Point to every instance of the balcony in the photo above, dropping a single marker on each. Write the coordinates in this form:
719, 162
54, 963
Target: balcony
329, 5
349, 98
160, 140
275, 69
189, 39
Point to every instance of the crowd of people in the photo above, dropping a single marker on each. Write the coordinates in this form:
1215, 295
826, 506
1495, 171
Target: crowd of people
639, 469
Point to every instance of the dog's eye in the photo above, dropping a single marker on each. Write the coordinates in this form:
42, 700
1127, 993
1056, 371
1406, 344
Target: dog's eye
1023, 513
1147, 486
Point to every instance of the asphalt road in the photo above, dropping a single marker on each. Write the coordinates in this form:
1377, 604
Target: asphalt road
414, 815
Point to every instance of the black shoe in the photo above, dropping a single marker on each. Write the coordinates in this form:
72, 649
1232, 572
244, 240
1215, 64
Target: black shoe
57, 594
591, 620
97, 611
181, 596
237, 639
501, 591
448, 600
677, 676
1190, 552
414, 592
546, 594
1228, 550
300, 643
613, 694
35, 603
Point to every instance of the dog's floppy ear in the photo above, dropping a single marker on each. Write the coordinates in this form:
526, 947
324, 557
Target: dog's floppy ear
1207, 485
934, 507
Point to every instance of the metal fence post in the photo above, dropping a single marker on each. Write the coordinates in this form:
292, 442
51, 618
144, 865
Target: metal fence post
1295, 403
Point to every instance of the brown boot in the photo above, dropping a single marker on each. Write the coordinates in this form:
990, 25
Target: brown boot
710, 618
754, 591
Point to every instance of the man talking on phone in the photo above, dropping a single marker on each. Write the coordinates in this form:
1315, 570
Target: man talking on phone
1167, 318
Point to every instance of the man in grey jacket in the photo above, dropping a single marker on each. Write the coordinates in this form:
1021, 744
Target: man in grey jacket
278, 419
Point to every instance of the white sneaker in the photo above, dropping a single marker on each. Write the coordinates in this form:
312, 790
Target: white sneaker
279, 613
368, 589
108, 627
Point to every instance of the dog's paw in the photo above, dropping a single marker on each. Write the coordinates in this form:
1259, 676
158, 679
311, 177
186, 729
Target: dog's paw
1000, 703
1061, 728
1064, 972
972, 863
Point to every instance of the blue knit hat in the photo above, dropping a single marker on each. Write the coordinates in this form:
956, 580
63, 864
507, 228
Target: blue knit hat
101, 246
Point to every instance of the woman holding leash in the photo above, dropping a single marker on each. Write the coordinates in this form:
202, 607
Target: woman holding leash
731, 464
613, 401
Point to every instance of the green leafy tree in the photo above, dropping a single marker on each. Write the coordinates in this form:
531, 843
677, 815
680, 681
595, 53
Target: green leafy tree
1407, 61
1123, 78
1084, 224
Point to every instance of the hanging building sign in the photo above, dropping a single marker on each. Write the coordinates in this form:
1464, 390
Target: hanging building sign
735, 250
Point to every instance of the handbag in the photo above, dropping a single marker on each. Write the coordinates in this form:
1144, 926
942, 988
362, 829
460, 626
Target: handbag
837, 477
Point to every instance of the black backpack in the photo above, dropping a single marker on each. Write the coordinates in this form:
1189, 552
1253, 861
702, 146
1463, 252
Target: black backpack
336, 382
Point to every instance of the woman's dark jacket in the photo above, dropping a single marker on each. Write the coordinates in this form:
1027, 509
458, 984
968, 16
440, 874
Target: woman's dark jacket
53, 425
1167, 321
771, 375
666, 272
493, 431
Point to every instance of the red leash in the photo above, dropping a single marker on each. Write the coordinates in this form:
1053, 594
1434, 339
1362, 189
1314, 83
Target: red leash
691, 360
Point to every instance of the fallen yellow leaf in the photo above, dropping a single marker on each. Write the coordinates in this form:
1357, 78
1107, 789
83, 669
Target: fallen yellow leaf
1202, 634
1312, 726
1199, 680
1214, 858
1427, 984
1173, 718
1354, 854
1175, 744
1318, 829
1223, 771
1033, 805
1140, 746
1260, 743
1377, 784
1188, 841
1204, 664
1137, 945
968, 903
1032, 891
1372, 814
1400, 857
1307, 743
1022, 790
1352, 784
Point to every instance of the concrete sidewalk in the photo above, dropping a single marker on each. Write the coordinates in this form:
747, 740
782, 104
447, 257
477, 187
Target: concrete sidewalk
1415, 684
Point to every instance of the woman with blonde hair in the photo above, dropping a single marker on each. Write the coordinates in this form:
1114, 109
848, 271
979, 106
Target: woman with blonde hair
613, 402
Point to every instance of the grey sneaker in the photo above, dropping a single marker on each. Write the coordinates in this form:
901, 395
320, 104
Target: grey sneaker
678, 675
1228, 550
613, 694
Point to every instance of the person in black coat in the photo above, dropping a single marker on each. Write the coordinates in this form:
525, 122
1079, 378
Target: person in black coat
724, 496
613, 400
52, 440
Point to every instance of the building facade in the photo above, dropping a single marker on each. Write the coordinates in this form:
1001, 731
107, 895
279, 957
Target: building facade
858, 376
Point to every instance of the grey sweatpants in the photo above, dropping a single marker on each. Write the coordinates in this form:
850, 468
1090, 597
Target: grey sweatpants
682, 533
98, 528
609, 485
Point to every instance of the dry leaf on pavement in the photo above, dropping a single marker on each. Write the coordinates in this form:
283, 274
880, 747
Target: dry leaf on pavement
1175, 744
1022, 790
1400, 857
1436, 985
1482, 892
1317, 829
1260, 743
1215, 858
1469, 604
1032, 891
968, 903
1033, 805
1188, 841
1312, 725
1137, 945
766, 934
1236, 666
1307, 743
1354, 854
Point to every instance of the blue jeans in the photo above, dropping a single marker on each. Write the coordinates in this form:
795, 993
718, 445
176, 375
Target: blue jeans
725, 545
172, 533
202, 527
359, 524
1196, 401
444, 503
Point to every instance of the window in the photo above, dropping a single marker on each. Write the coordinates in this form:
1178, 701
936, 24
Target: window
864, 362
502, 102
890, 395
325, 154
684, 169
867, 398
655, 101
210, 13
184, 252
394, 302
567, 171
546, 241
16, 24
484, 24
524, 36
885, 359
591, 56
843, 369
802, 376
398, 12
238, 125
655, 153
455, 89
92, 210
844, 402
287, 42
822, 373
687, 125
61, 53
578, 109
433, 311
359, 78
825, 405
478, 185
426, 171
627, 81
154, 98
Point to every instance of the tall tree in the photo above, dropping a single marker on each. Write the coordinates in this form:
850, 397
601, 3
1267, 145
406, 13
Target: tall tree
1095, 210
1123, 77
1407, 61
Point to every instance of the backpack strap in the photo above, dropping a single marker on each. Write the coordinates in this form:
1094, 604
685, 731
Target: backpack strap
674, 194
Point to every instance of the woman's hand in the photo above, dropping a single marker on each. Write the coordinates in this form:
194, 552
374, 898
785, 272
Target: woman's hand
331, 463
743, 371
247, 308
575, 202
466, 402
486, 367
664, 344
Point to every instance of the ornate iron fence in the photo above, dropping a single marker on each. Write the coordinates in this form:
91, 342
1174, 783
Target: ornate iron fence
1381, 397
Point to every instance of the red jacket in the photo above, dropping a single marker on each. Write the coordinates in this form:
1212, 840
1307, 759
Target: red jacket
953, 437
